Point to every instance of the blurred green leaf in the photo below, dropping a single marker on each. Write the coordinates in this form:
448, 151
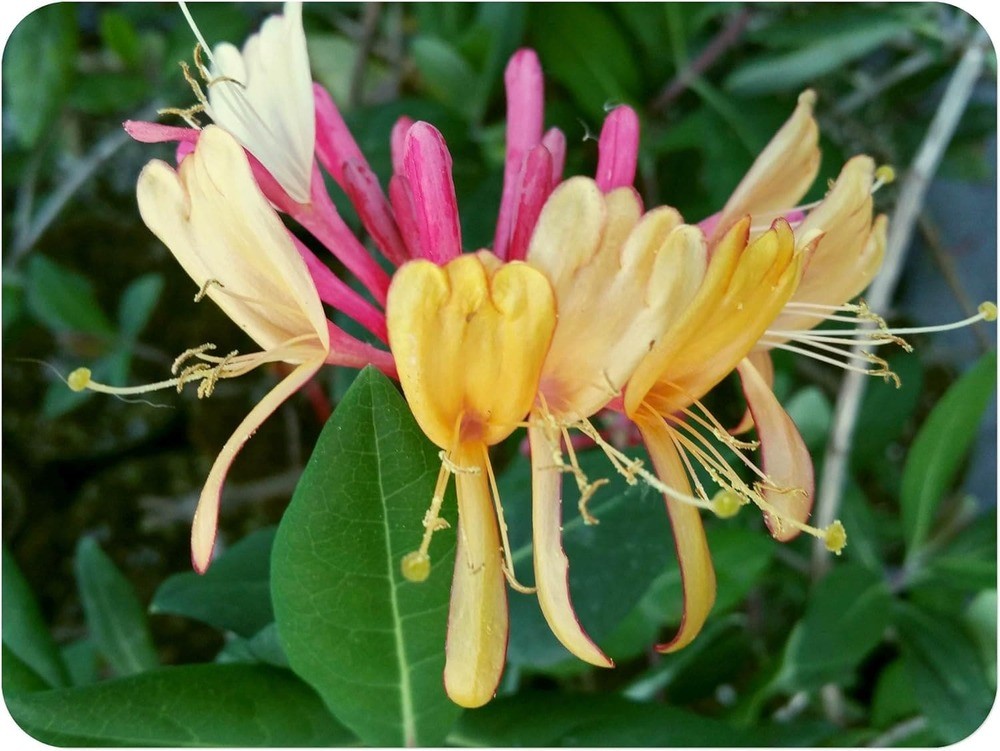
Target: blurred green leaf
371, 642
116, 620
64, 300
25, 634
81, 661
885, 412
812, 413
940, 448
38, 70
581, 47
120, 36
193, 705
137, 304
846, 616
233, 595
981, 617
800, 68
968, 562
109, 92
504, 25
18, 677
536, 718
262, 647
446, 75
12, 301
945, 668
894, 699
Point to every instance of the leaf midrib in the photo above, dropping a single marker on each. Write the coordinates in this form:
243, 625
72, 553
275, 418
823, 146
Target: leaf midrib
409, 723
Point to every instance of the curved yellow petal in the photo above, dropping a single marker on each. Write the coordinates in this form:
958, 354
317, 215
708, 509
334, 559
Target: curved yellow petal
850, 252
551, 564
219, 226
784, 456
469, 339
761, 360
744, 289
206, 516
780, 175
476, 646
693, 555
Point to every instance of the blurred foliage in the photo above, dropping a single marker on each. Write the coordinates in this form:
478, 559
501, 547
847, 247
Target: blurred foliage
98, 492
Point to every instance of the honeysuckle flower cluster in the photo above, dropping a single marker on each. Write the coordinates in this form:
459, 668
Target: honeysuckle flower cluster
586, 303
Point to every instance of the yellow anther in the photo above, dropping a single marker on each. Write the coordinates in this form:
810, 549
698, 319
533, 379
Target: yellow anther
79, 379
726, 504
988, 310
885, 174
416, 566
835, 537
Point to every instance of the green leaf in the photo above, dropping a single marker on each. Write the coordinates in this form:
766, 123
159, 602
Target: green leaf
137, 304
81, 661
369, 641
445, 74
581, 47
801, 67
116, 620
119, 35
981, 617
64, 300
233, 595
12, 300
894, 699
38, 69
193, 705
882, 420
945, 668
940, 447
109, 92
18, 677
537, 718
812, 413
504, 25
846, 615
25, 633
262, 647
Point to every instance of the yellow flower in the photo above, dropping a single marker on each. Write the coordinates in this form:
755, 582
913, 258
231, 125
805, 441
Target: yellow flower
469, 339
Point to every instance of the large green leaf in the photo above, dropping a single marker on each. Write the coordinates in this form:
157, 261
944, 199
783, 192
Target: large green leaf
445, 74
233, 595
137, 304
370, 642
847, 613
116, 619
194, 705
25, 633
946, 670
18, 677
940, 447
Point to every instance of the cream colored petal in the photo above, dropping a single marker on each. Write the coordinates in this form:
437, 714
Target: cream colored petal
781, 174
206, 516
476, 646
693, 554
784, 456
270, 109
551, 564
219, 226
614, 301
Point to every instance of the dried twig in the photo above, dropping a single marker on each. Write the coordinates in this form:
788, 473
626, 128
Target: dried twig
911, 197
